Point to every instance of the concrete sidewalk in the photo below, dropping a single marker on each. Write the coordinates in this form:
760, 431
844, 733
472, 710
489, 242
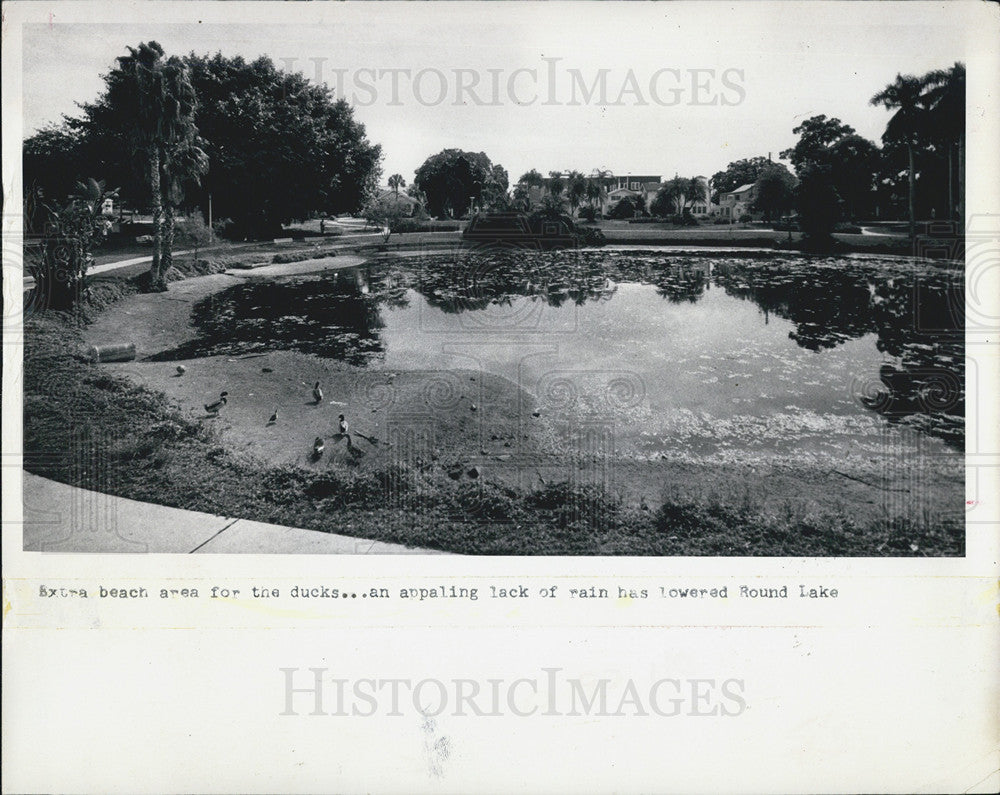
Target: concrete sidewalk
60, 518
28, 282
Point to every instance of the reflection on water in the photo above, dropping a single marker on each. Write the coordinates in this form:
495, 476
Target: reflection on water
829, 337
337, 317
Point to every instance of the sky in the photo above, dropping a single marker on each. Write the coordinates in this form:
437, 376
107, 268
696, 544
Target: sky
687, 87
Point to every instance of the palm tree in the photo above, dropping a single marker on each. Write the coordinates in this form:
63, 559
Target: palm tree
161, 106
396, 182
595, 192
142, 69
556, 183
696, 188
945, 97
576, 189
521, 199
675, 191
905, 96
181, 156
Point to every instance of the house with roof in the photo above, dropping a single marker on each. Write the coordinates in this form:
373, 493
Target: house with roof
616, 187
735, 204
391, 199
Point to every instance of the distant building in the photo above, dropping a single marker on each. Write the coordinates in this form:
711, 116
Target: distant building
735, 204
616, 187
407, 204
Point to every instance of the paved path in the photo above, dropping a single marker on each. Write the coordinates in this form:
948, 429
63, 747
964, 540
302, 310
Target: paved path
65, 519
338, 242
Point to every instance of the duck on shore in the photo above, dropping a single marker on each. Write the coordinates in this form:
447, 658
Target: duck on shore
318, 447
317, 393
213, 408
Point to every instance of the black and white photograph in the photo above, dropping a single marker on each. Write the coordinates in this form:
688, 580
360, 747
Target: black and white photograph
459, 397
526, 293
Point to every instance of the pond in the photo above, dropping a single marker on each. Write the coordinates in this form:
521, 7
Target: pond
677, 354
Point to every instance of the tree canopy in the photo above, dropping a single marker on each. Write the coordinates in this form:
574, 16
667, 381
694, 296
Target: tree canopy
453, 179
280, 148
738, 173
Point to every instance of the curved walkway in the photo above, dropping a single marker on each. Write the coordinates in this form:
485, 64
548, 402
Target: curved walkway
66, 519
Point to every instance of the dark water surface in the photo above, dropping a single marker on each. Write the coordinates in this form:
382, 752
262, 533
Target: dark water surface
721, 355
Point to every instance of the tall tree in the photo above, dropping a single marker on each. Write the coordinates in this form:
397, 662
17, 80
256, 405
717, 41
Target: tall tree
855, 163
53, 161
908, 123
452, 180
945, 97
576, 189
816, 135
183, 160
280, 147
150, 103
139, 92
738, 173
396, 182
679, 194
817, 203
532, 178
556, 183
773, 191
595, 192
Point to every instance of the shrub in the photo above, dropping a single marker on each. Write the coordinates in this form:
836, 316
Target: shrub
193, 233
622, 210
418, 225
227, 229
72, 232
591, 236
588, 213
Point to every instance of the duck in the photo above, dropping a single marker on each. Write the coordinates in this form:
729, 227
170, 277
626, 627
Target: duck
343, 425
317, 392
318, 447
273, 418
181, 369
213, 408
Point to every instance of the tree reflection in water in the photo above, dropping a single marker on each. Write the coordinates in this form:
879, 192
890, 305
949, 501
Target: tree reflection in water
911, 310
336, 316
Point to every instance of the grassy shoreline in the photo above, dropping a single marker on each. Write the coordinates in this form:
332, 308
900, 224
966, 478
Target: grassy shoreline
135, 442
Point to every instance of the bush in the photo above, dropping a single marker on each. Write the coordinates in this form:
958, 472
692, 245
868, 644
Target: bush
224, 228
590, 236
622, 210
193, 233
746, 218
588, 213
418, 225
